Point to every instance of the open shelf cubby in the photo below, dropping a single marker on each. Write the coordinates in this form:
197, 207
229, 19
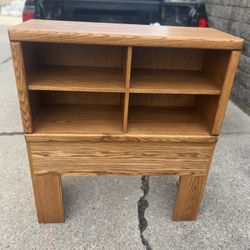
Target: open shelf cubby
62, 112
102, 89
173, 71
169, 114
72, 67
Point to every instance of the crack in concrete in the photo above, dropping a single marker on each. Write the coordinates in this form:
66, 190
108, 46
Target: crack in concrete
142, 206
6, 60
10, 133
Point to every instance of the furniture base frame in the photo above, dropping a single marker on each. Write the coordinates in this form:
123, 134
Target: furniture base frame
46, 154
50, 209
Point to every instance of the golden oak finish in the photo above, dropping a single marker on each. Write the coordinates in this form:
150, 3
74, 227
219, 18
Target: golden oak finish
162, 101
19, 67
48, 197
130, 158
127, 67
226, 90
221, 67
172, 82
123, 34
36, 137
166, 121
66, 78
57, 119
167, 58
125, 104
115, 99
85, 98
91, 56
189, 194
125, 99
188, 199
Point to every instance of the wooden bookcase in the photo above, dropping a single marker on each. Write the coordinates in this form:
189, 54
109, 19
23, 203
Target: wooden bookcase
108, 99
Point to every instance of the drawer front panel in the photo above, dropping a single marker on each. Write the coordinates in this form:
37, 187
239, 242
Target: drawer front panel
128, 158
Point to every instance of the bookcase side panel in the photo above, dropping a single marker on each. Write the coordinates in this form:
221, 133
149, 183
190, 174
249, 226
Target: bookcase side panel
226, 90
221, 66
23, 95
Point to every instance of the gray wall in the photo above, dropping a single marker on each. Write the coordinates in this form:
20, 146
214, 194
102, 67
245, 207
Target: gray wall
233, 16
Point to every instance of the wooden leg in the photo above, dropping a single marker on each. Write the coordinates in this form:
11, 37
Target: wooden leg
48, 198
189, 196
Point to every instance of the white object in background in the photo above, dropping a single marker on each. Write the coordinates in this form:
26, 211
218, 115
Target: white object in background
15, 8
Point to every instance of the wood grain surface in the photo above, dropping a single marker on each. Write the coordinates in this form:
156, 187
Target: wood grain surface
119, 99
227, 85
36, 137
23, 95
86, 98
57, 119
87, 55
125, 99
76, 119
123, 34
167, 58
160, 121
161, 101
66, 78
188, 199
189, 194
172, 82
129, 158
49, 198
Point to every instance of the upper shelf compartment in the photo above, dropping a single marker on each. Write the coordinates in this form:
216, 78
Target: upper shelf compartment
171, 71
84, 68
172, 82
67, 78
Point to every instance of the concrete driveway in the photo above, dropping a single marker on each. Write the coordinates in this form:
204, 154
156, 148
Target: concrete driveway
102, 212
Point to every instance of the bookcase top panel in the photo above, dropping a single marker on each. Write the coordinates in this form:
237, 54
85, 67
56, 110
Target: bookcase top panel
123, 34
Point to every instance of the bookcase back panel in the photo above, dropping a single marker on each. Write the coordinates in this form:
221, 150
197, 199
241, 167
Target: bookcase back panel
62, 97
160, 100
80, 55
167, 58
30, 56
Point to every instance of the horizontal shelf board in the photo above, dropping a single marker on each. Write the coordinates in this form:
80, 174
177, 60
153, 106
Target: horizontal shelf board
74, 119
157, 121
123, 34
172, 82
124, 137
69, 78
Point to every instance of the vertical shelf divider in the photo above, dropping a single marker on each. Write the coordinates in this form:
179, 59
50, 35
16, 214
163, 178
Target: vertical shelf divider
127, 76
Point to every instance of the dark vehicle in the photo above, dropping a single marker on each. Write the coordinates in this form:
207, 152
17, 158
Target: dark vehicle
119, 11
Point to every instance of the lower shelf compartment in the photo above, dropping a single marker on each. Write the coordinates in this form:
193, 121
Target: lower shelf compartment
107, 119
78, 119
162, 121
